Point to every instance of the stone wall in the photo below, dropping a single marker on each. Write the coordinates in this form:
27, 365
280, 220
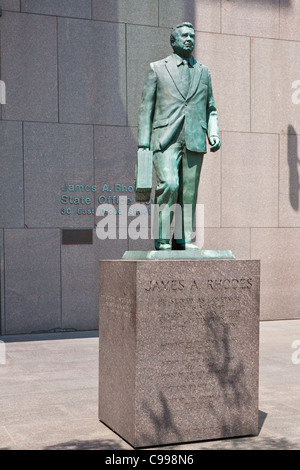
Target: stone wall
74, 71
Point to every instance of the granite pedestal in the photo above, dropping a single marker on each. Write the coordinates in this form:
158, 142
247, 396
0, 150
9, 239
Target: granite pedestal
178, 340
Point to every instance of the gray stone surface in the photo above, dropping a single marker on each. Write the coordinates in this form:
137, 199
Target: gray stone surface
56, 155
178, 357
270, 59
108, 249
92, 79
238, 239
80, 281
70, 8
253, 18
126, 11
280, 275
115, 150
142, 244
204, 14
209, 192
249, 180
79, 287
11, 175
10, 5
91, 71
49, 395
289, 14
32, 280
29, 67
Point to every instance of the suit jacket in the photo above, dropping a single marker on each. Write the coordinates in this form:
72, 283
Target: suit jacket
164, 107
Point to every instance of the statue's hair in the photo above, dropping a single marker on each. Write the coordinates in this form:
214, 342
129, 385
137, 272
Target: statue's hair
181, 25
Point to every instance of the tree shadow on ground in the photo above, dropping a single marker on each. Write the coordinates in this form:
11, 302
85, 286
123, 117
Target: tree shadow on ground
163, 422
239, 443
91, 444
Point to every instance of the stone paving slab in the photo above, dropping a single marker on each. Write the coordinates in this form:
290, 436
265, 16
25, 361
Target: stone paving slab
49, 394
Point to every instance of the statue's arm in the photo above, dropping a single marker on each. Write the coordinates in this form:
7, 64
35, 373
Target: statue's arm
146, 110
213, 131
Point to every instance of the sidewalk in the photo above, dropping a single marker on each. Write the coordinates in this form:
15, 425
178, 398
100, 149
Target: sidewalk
49, 394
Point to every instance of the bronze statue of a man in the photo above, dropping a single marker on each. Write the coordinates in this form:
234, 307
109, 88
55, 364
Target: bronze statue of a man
176, 113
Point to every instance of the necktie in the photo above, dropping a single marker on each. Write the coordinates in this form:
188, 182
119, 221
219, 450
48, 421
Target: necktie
185, 77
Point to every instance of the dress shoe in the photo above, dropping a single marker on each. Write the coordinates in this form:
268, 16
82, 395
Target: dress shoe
162, 246
184, 246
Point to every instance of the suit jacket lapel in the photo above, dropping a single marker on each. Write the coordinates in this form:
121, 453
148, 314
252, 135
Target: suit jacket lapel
195, 79
171, 65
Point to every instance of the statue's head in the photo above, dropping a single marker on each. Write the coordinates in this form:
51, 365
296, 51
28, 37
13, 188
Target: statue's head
182, 39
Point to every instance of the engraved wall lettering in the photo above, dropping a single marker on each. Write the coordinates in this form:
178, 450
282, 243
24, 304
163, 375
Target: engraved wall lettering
194, 285
230, 283
165, 285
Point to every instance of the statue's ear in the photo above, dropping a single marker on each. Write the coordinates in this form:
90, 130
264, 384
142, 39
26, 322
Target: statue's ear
172, 40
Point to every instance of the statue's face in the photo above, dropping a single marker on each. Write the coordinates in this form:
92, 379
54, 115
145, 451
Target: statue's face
184, 41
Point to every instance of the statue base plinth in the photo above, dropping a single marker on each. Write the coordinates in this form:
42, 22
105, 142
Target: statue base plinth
178, 254
178, 348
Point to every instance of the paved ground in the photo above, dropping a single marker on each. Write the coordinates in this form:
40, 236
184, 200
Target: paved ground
48, 394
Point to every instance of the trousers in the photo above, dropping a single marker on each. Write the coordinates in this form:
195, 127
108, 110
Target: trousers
177, 174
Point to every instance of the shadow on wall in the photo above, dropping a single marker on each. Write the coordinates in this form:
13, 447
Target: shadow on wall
163, 422
231, 377
294, 168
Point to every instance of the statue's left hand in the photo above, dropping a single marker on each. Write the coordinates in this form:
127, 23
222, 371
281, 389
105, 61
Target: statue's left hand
215, 143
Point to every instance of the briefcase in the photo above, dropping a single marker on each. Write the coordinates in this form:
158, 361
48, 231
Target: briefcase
143, 175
